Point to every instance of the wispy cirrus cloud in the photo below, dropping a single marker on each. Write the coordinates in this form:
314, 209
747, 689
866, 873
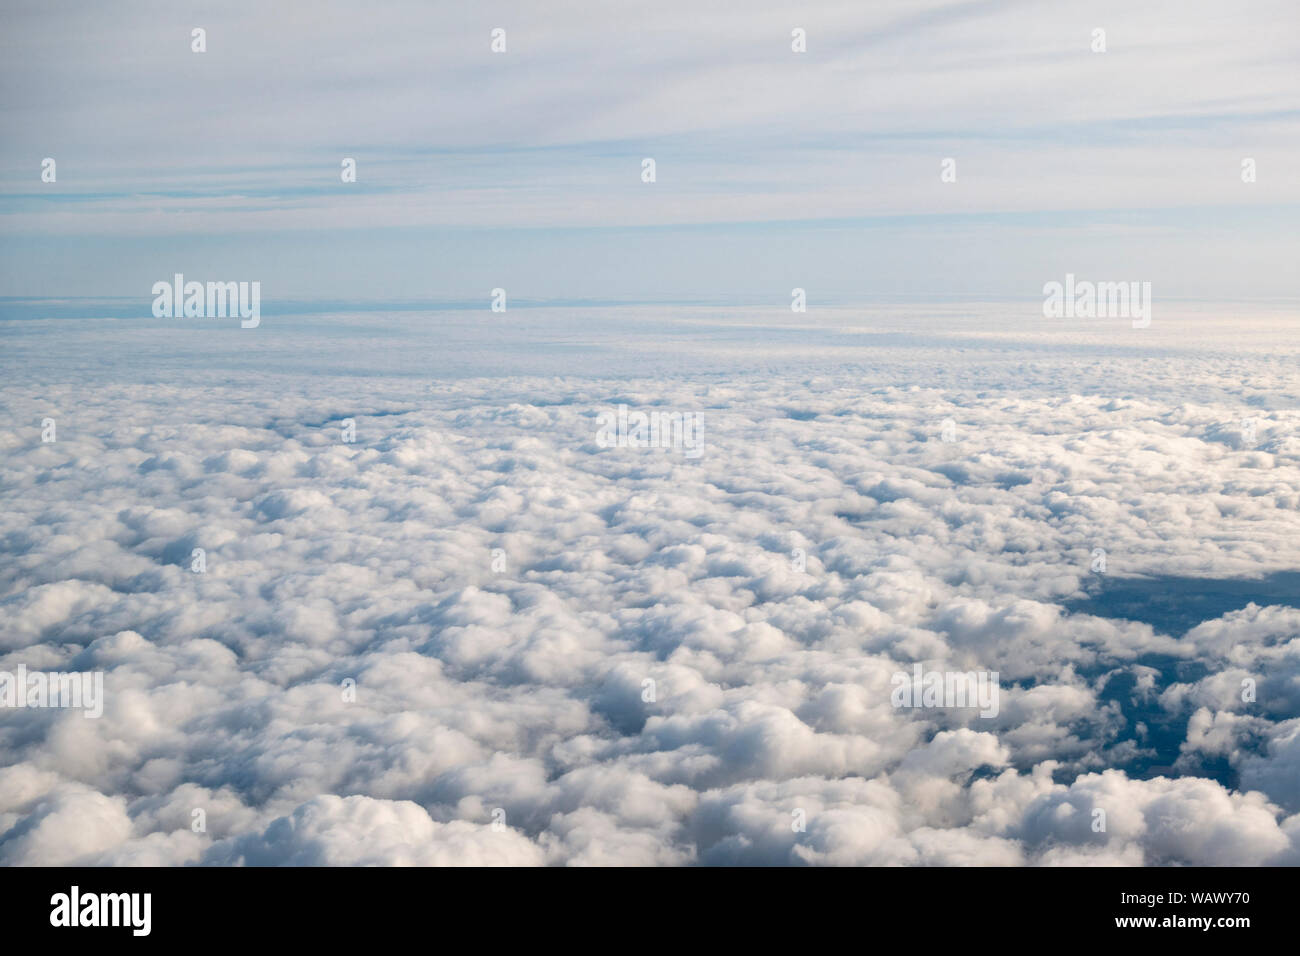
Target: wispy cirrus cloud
153, 140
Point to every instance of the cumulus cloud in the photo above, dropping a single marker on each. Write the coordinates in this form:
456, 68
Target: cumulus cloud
362, 831
476, 636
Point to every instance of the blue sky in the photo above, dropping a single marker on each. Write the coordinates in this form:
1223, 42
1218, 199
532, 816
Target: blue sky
774, 169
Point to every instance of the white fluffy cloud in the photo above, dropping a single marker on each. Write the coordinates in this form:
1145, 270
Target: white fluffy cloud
611, 646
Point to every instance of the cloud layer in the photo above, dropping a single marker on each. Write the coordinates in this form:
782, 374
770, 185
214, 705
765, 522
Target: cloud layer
500, 588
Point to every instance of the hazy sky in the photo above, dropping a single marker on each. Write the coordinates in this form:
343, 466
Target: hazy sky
774, 169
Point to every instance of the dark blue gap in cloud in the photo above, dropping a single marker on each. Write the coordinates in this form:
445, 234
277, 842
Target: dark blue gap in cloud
1174, 605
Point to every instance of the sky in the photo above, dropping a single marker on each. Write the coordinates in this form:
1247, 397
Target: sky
774, 169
